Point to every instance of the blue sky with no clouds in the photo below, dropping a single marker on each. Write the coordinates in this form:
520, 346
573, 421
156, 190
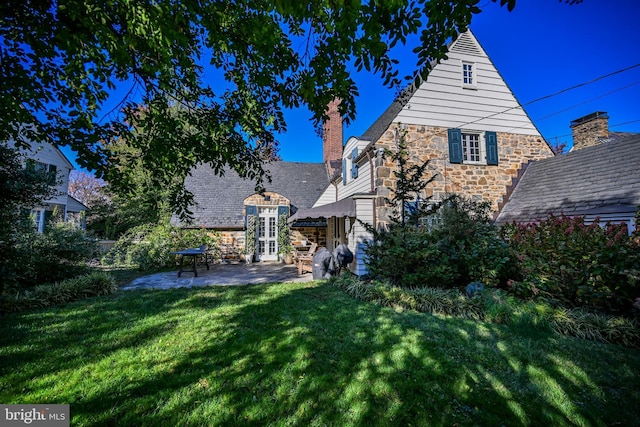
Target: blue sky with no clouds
540, 48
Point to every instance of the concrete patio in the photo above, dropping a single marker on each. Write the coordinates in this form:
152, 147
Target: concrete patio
222, 275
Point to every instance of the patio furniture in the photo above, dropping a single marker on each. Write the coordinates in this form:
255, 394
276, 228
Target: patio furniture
305, 260
194, 253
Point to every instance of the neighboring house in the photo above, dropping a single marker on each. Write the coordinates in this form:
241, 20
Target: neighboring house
463, 118
47, 158
599, 178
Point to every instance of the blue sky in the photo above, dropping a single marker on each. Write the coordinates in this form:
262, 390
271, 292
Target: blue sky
540, 48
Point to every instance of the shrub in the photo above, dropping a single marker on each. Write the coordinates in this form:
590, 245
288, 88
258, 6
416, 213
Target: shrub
61, 252
150, 246
577, 265
496, 306
90, 285
455, 246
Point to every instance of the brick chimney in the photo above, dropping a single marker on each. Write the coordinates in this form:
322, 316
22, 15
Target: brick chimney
588, 130
332, 138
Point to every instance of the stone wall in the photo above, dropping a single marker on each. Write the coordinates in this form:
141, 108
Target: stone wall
232, 244
483, 181
266, 199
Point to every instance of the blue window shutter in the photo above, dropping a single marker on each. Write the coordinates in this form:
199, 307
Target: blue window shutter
455, 146
250, 210
344, 171
492, 147
354, 167
283, 210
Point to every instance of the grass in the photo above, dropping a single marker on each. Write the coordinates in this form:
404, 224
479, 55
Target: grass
304, 354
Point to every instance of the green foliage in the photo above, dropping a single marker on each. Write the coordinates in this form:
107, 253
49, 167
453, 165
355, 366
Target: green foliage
460, 246
89, 285
575, 265
284, 239
20, 190
410, 183
251, 233
77, 51
496, 306
150, 246
61, 252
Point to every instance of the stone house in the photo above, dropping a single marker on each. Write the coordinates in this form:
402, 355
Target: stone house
599, 179
463, 118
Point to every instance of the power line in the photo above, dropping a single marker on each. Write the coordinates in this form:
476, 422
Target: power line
587, 101
582, 84
555, 94
610, 126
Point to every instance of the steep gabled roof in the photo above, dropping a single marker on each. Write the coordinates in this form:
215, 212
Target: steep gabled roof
590, 181
440, 100
220, 199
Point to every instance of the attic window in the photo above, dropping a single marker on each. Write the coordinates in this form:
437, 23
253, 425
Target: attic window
267, 198
468, 75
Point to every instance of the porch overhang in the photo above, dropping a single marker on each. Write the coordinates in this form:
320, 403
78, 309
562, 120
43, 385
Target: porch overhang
341, 208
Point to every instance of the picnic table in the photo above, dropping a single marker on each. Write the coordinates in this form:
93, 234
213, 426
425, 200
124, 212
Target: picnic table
194, 253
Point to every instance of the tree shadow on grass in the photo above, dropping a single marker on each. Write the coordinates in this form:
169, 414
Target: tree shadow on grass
308, 354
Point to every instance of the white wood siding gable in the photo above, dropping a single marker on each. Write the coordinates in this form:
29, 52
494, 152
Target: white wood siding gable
50, 155
362, 183
443, 100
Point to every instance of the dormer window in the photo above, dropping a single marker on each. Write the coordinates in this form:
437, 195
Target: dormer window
468, 75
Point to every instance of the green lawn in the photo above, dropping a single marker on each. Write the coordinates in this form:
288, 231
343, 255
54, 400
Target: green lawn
304, 354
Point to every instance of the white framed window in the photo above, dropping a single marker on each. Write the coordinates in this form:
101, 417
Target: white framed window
471, 148
469, 78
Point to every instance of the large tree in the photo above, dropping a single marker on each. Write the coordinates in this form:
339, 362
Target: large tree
77, 72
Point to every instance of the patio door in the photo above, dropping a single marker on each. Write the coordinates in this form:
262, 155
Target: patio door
268, 233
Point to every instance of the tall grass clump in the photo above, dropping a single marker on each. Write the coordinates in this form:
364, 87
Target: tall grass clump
85, 286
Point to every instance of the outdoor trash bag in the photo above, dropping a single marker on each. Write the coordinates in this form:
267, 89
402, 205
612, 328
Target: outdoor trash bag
321, 264
343, 256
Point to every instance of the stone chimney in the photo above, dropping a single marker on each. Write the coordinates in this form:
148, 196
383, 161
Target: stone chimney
332, 138
588, 130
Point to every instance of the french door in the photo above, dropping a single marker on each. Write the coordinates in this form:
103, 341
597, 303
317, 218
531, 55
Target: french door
268, 233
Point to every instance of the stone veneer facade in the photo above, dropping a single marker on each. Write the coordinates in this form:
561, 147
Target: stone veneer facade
232, 243
431, 143
588, 130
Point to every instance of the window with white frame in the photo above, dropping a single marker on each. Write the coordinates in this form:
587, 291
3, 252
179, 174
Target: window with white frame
471, 147
468, 74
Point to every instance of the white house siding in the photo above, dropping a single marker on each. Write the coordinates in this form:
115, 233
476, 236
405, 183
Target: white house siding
330, 195
50, 155
358, 234
361, 184
442, 100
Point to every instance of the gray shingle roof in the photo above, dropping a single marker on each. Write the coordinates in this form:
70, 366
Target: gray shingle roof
219, 200
596, 179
